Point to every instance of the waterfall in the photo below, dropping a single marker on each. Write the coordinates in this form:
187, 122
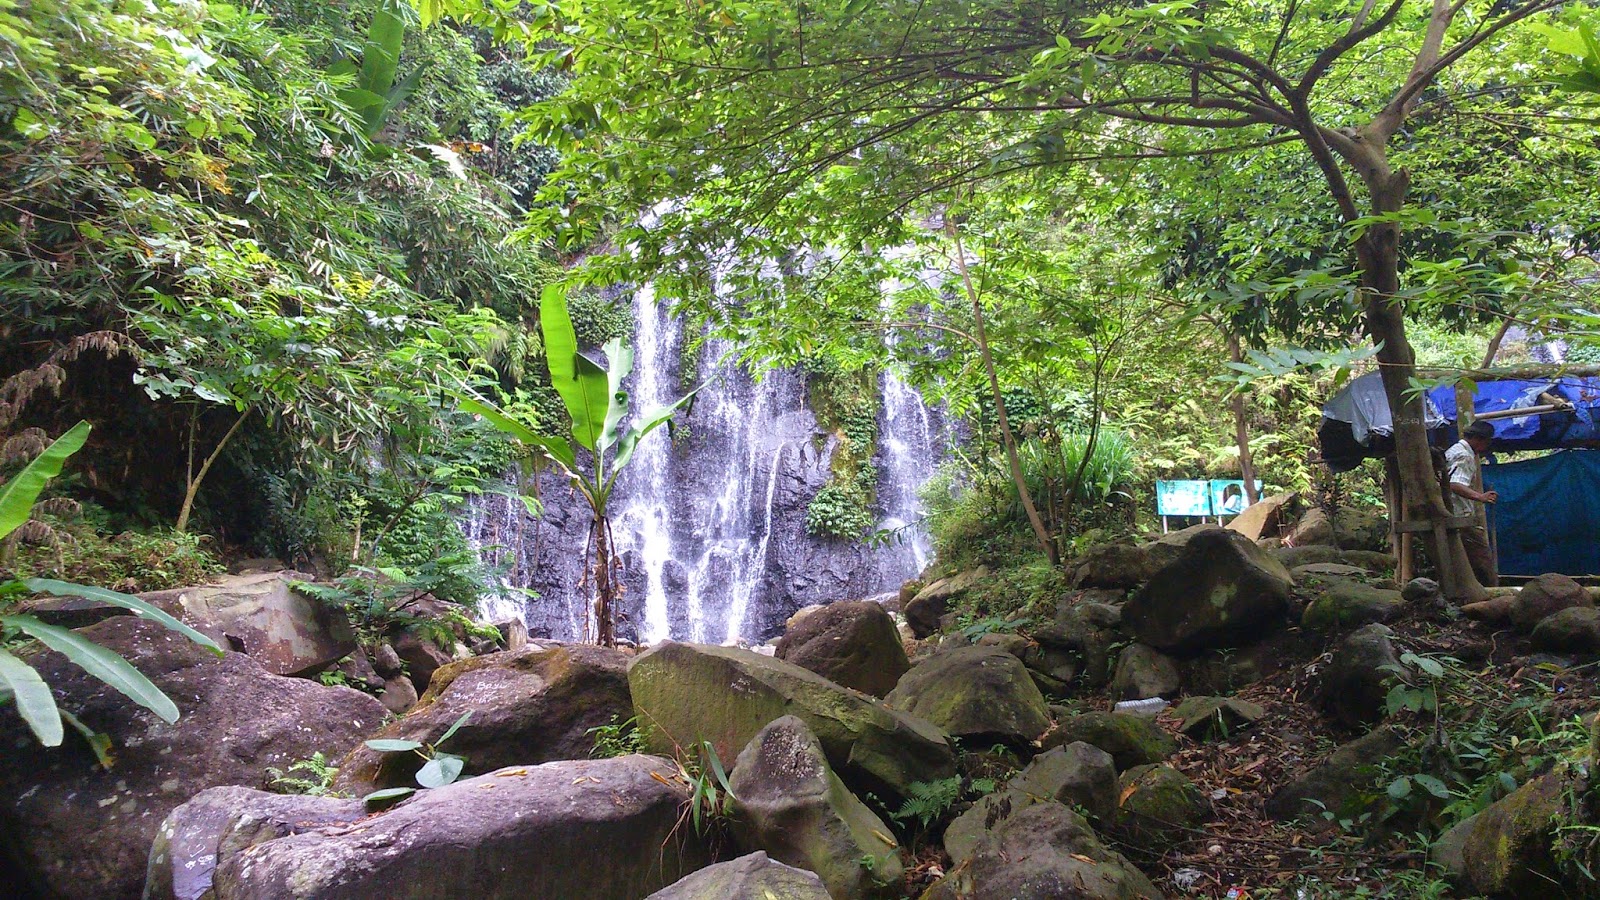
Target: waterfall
709, 517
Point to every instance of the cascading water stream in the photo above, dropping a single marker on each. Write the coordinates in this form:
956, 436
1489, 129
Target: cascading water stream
709, 519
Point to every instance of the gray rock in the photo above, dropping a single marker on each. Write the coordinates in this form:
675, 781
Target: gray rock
1144, 672
852, 643
1575, 629
1078, 774
421, 656
1120, 566
79, 830
1354, 685
1545, 596
513, 634
285, 631
1350, 528
1044, 851
973, 692
750, 877
690, 692
1089, 624
791, 804
1130, 740
597, 829
386, 661
219, 822
531, 706
1221, 591
1374, 562
1419, 590
1216, 717
399, 695
1344, 604
1014, 644
924, 611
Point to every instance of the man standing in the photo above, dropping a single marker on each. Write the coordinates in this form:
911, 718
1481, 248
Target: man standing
1461, 462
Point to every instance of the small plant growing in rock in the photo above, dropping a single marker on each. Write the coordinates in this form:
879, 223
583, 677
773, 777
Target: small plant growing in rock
316, 782
438, 770
710, 795
617, 738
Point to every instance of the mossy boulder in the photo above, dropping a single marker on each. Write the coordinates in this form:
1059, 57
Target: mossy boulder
1345, 604
924, 610
1507, 850
684, 693
1221, 591
1354, 685
1112, 566
1216, 717
1572, 630
1370, 560
751, 877
1130, 740
1349, 528
1043, 851
980, 692
1157, 802
789, 803
1089, 625
1338, 781
1077, 775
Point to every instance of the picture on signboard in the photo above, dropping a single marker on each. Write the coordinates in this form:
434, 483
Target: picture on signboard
1183, 498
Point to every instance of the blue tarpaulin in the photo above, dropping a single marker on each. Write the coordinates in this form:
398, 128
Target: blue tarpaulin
1545, 520
1549, 431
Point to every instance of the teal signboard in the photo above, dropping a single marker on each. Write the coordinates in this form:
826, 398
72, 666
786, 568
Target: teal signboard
1218, 497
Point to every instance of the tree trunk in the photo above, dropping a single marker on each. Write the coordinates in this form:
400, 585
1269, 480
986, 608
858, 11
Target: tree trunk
604, 586
194, 479
1241, 428
1378, 260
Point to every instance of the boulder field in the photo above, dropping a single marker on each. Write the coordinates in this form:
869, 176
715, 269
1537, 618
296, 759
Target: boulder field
1058, 754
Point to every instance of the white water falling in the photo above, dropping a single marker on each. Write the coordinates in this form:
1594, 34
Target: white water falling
710, 521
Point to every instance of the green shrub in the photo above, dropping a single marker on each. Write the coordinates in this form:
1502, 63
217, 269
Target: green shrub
68, 546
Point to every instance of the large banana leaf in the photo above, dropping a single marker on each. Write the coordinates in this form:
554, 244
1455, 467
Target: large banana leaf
34, 701
584, 387
99, 662
555, 447
637, 429
16, 498
380, 56
620, 356
126, 601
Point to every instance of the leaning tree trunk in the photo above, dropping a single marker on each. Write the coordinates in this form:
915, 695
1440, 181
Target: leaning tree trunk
1378, 259
1241, 426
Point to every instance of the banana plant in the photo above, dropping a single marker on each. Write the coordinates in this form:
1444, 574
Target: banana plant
20, 683
596, 405
375, 93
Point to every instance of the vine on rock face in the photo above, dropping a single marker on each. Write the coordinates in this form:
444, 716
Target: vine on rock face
846, 403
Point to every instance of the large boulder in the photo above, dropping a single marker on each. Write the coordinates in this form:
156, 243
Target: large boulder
1262, 518
421, 656
1120, 566
1370, 560
685, 693
1130, 740
1544, 596
1345, 604
930, 604
1221, 591
1575, 629
853, 643
974, 692
750, 877
219, 822
83, 831
527, 706
1339, 781
1044, 852
789, 803
1077, 775
1144, 672
1350, 528
1355, 683
574, 829
285, 631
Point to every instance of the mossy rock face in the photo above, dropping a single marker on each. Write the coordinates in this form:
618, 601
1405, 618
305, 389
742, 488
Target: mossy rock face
1144, 672
1159, 801
1216, 717
1131, 740
752, 877
1221, 591
1345, 604
1355, 683
1374, 562
1507, 851
1112, 566
972, 692
685, 693
1338, 781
